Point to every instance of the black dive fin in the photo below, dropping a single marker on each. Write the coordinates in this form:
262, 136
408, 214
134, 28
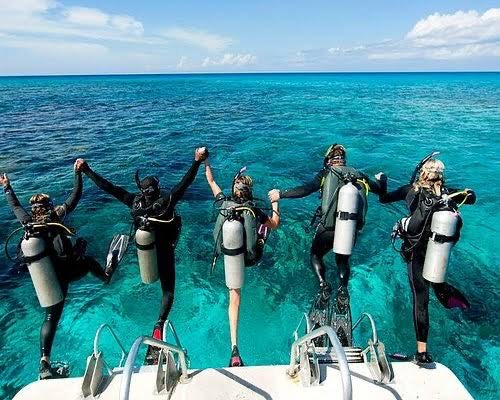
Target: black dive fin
117, 249
59, 369
450, 297
401, 357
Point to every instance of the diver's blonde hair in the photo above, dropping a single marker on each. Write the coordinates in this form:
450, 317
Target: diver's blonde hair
430, 172
247, 181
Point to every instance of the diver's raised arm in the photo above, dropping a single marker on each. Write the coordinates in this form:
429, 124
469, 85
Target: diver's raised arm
210, 179
178, 190
118, 192
465, 196
299, 191
76, 194
391, 197
274, 221
21, 215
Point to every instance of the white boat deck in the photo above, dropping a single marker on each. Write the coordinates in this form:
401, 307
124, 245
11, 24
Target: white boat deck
266, 382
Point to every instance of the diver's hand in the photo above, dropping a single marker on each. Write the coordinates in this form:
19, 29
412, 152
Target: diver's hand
274, 195
201, 154
381, 177
81, 165
4, 180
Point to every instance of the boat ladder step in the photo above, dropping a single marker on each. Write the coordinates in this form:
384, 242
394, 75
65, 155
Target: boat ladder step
326, 355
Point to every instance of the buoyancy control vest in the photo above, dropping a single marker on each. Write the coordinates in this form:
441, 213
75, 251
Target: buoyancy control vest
415, 230
243, 212
152, 219
334, 179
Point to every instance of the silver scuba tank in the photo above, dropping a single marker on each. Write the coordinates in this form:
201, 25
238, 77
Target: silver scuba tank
443, 228
346, 219
44, 278
146, 253
234, 253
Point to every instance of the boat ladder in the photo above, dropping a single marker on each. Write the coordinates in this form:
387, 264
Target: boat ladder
171, 369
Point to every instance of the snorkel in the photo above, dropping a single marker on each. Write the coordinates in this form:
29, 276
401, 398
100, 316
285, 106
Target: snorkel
241, 187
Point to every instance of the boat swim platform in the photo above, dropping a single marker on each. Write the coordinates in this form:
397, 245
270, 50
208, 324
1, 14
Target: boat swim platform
264, 383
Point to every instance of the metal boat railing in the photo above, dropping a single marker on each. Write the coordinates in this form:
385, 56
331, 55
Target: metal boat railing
169, 326
132, 355
97, 337
345, 373
372, 322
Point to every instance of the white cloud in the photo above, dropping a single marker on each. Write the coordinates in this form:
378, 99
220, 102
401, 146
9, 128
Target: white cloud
208, 41
86, 16
182, 62
459, 28
126, 23
228, 59
47, 18
462, 35
26, 6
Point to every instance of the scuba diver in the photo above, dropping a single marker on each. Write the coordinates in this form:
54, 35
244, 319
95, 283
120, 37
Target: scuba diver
342, 215
428, 234
157, 230
240, 232
53, 261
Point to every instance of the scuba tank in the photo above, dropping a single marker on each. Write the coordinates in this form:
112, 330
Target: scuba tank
443, 237
346, 219
233, 248
44, 278
146, 253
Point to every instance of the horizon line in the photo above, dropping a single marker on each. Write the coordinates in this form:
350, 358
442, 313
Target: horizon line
248, 73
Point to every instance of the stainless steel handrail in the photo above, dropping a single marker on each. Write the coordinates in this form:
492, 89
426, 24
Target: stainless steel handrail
166, 325
132, 355
372, 322
345, 373
296, 331
117, 340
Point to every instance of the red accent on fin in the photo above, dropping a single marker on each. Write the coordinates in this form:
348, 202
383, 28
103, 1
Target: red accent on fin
157, 334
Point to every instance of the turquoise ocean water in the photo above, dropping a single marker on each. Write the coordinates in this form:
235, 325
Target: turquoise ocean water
279, 126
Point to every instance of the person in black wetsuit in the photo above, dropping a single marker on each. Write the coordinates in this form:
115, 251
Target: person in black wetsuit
70, 262
333, 175
423, 198
153, 202
255, 233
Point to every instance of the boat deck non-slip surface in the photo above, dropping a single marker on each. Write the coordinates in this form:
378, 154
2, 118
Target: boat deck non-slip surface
268, 382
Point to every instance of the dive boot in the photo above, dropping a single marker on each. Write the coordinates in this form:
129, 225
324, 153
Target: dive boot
153, 353
44, 371
235, 360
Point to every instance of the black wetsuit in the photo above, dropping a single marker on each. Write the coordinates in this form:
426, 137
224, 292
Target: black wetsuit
166, 234
323, 239
420, 203
68, 266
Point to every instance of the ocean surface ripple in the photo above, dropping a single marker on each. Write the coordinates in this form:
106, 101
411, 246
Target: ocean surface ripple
279, 126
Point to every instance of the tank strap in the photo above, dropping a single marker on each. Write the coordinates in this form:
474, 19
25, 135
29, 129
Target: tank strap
233, 252
438, 238
145, 246
345, 216
36, 257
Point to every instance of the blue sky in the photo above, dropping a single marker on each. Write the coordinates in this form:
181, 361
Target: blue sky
95, 37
